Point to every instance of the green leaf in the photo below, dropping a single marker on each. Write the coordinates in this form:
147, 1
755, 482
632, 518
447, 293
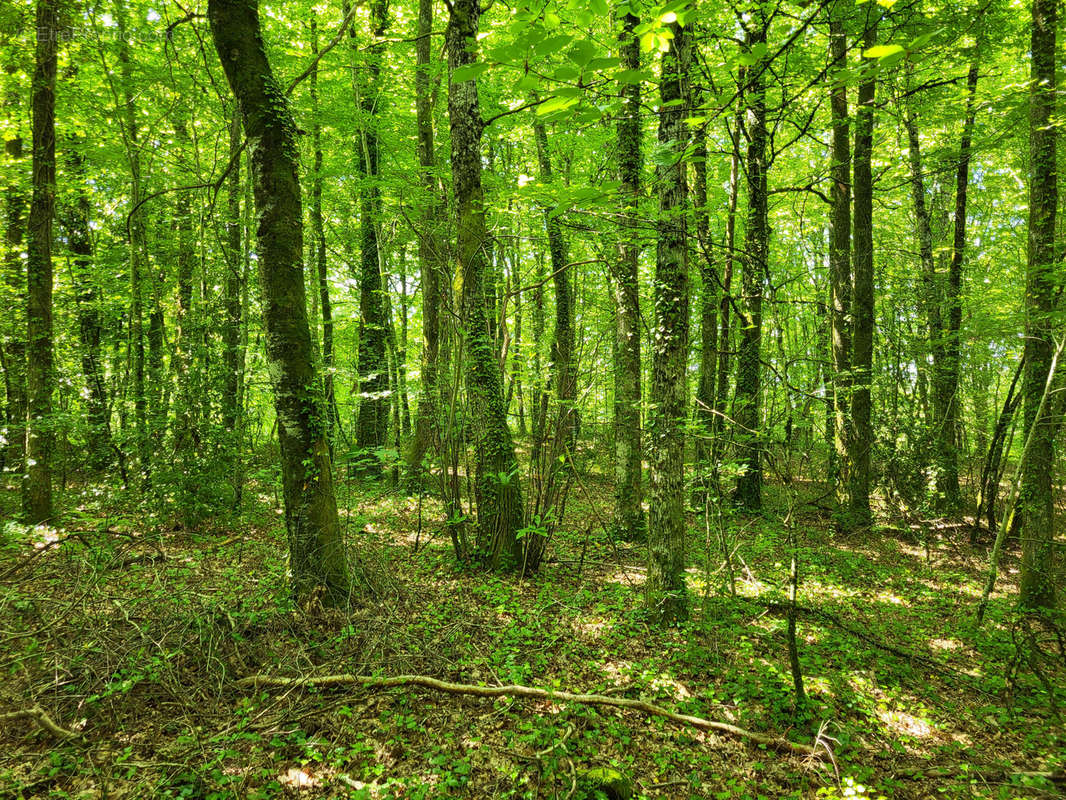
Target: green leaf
582, 52
883, 51
468, 72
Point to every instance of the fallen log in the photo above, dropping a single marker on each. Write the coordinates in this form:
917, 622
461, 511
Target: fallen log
38, 715
778, 743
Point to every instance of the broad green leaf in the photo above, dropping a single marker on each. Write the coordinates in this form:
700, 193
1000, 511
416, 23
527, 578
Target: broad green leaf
468, 72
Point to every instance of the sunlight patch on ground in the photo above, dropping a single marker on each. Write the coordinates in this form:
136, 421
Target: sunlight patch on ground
945, 644
298, 779
905, 724
628, 577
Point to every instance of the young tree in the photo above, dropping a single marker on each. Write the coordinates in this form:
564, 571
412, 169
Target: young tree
39, 374
667, 598
316, 547
12, 455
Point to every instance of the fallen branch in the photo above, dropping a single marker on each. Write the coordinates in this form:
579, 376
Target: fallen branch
38, 715
367, 682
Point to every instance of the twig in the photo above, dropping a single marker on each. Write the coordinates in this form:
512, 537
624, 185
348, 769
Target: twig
778, 743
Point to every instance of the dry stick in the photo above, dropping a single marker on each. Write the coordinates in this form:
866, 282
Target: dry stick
367, 682
38, 715
1015, 490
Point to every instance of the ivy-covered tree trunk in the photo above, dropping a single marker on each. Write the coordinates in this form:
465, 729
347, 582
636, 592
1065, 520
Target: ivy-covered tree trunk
497, 487
14, 326
840, 255
629, 512
234, 337
316, 548
373, 418
186, 401
87, 303
747, 409
1042, 288
666, 595
431, 256
39, 373
860, 442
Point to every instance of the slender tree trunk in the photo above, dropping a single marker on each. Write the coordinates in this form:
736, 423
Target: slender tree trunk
930, 298
953, 301
138, 250
318, 246
1036, 501
705, 389
316, 547
235, 342
747, 405
39, 374
725, 313
629, 513
186, 415
861, 440
431, 256
840, 254
498, 490
373, 415
87, 304
14, 329
666, 596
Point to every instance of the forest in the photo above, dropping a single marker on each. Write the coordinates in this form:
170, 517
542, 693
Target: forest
532, 399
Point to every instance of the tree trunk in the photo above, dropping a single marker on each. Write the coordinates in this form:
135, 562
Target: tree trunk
666, 596
498, 491
186, 413
14, 330
316, 548
431, 256
629, 513
754, 265
840, 256
1036, 501
953, 300
39, 375
861, 441
87, 304
373, 419
705, 390
235, 334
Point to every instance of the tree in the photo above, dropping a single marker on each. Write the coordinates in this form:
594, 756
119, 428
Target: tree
667, 598
754, 266
861, 438
39, 374
629, 514
1042, 288
498, 490
316, 548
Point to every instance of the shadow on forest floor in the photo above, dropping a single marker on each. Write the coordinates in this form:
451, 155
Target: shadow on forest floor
135, 635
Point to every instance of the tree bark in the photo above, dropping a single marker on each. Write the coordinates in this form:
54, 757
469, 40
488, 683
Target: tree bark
497, 487
431, 255
1036, 501
629, 512
747, 406
861, 441
840, 254
666, 595
39, 372
373, 416
316, 548
14, 330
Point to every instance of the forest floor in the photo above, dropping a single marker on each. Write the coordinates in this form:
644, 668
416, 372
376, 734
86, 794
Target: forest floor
134, 636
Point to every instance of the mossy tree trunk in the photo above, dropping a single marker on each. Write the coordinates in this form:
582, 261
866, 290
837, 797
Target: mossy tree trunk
666, 596
14, 326
1042, 287
497, 487
316, 548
